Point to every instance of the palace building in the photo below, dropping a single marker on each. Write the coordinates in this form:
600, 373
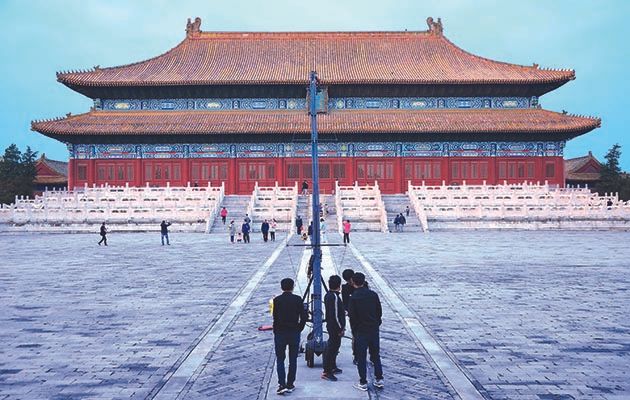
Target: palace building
398, 106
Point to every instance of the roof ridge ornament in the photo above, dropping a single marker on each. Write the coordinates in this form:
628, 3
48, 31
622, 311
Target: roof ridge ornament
193, 28
435, 28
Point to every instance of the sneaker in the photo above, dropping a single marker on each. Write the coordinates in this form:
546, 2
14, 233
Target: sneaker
329, 377
379, 383
337, 370
290, 388
281, 389
361, 386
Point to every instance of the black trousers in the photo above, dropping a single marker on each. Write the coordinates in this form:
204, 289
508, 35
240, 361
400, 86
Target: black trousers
103, 239
334, 342
273, 236
346, 237
245, 237
265, 236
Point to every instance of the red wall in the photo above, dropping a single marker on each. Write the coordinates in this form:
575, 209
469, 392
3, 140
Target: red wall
392, 173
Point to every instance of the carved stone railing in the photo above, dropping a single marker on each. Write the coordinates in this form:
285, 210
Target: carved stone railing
515, 201
361, 204
117, 205
274, 202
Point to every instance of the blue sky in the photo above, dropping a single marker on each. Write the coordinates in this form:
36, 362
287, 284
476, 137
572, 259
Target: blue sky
45, 36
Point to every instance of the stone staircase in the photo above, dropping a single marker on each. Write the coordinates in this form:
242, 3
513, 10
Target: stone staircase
332, 226
236, 206
396, 204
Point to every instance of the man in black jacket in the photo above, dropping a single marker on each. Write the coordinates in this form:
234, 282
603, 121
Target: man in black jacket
335, 325
289, 318
365, 314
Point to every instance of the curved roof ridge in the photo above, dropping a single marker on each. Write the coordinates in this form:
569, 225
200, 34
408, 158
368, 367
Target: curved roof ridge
534, 67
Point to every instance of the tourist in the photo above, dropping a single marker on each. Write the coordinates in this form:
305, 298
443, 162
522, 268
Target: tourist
245, 228
164, 230
347, 288
346, 291
299, 224
289, 319
264, 228
396, 223
304, 188
272, 230
247, 219
335, 325
224, 214
322, 228
346, 231
232, 228
402, 220
609, 204
407, 211
103, 235
310, 229
365, 315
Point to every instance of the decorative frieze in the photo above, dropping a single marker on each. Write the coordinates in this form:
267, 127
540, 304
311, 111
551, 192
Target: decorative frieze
334, 149
339, 103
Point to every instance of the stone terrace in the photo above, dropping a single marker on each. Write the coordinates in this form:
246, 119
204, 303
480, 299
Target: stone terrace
526, 315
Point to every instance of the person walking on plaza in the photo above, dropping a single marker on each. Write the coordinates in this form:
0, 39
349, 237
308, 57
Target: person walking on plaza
245, 228
164, 230
264, 228
232, 228
407, 211
365, 315
224, 214
402, 220
304, 188
299, 224
289, 319
103, 235
272, 230
346, 231
322, 229
335, 325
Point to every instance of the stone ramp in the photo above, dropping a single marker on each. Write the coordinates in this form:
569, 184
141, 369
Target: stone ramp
237, 207
394, 205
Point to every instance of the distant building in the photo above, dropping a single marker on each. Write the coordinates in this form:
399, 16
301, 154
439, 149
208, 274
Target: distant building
51, 174
230, 107
582, 171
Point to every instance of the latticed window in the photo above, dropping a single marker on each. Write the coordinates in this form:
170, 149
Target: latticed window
550, 170
339, 171
293, 171
82, 172
324, 171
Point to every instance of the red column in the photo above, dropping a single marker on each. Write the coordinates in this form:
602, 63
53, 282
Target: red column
138, 177
71, 171
185, 165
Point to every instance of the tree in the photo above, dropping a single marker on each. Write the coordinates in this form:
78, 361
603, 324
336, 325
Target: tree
612, 179
17, 173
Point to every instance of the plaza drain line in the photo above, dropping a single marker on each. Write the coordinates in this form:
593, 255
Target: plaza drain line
175, 384
455, 376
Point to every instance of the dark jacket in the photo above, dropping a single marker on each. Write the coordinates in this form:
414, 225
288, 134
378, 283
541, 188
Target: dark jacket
346, 292
365, 311
402, 220
298, 222
310, 230
289, 314
397, 220
245, 228
335, 314
103, 230
264, 228
164, 227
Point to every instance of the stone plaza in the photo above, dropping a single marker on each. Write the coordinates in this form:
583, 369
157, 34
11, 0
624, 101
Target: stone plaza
494, 315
